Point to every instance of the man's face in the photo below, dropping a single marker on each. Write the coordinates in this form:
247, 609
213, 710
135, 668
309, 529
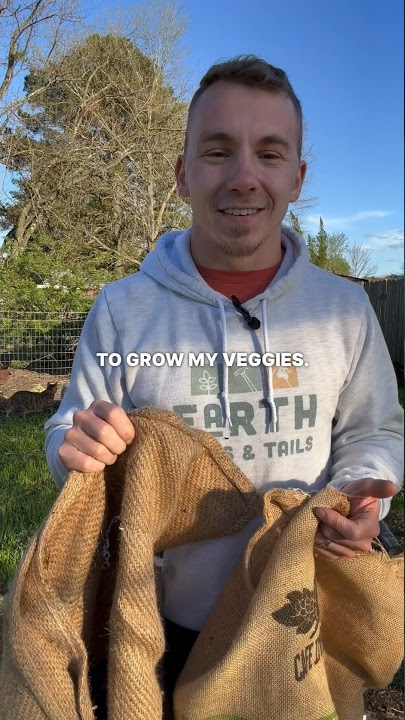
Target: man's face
241, 154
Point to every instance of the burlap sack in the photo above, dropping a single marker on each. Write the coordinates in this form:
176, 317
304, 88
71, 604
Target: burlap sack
294, 637
84, 601
83, 636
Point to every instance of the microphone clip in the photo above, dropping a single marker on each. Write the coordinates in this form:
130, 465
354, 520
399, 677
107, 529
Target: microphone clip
253, 322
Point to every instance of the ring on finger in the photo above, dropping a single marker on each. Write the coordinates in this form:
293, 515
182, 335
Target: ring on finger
326, 542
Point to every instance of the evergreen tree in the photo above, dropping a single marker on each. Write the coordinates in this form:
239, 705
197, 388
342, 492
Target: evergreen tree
93, 162
322, 245
327, 251
295, 224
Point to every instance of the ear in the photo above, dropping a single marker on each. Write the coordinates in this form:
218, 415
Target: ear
181, 177
299, 181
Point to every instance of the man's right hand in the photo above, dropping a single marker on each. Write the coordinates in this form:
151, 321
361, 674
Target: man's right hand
99, 434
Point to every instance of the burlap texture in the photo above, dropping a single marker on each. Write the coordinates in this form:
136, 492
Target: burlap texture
293, 636
83, 634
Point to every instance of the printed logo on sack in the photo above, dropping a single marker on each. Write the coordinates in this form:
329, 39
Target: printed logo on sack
302, 613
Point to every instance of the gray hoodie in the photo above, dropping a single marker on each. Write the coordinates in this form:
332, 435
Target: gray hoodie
329, 415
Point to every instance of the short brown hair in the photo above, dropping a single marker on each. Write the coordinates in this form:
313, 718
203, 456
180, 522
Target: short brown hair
251, 71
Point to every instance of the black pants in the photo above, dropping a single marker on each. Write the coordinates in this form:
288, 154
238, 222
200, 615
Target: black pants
179, 641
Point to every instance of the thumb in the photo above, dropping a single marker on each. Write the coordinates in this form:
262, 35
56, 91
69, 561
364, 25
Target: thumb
367, 487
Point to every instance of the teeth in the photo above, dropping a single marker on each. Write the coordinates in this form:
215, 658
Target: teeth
246, 211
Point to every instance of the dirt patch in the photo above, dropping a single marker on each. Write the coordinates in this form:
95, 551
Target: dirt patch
29, 380
386, 704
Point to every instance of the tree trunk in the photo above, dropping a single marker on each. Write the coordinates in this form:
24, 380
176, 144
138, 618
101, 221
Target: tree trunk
26, 226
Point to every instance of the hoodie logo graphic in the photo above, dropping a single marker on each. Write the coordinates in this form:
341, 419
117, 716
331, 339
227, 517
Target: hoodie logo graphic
209, 380
285, 377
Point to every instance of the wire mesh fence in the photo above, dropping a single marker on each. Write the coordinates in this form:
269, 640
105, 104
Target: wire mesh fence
43, 342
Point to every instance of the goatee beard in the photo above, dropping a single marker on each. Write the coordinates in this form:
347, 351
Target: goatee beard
237, 247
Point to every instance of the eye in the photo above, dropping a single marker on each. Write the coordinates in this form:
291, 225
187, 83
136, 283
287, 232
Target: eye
216, 153
270, 156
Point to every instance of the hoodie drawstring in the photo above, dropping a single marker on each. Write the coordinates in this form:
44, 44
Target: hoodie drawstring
269, 374
225, 390
270, 390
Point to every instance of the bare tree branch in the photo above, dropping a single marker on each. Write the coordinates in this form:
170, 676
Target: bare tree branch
359, 258
95, 162
22, 24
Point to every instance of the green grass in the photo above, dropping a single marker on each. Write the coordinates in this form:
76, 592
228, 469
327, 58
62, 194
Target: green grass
27, 490
397, 502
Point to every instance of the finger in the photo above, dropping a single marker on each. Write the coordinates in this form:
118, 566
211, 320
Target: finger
330, 523
363, 545
328, 533
331, 555
89, 446
370, 488
363, 505
116, 417
87, 425
364, 525
73, 459
336, 550
325, 532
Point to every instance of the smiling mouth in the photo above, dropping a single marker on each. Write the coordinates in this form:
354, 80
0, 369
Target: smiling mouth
242, 213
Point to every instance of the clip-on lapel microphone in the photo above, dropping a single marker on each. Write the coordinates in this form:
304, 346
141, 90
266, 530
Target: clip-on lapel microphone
252, 322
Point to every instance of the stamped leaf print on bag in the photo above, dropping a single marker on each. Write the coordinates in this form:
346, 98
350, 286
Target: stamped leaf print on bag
300, 612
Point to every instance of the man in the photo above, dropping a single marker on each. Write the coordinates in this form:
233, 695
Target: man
333, 417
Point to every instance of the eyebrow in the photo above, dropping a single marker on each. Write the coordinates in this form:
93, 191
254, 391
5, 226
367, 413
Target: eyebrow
224, 137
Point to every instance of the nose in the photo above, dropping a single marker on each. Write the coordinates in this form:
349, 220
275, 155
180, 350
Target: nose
242, 176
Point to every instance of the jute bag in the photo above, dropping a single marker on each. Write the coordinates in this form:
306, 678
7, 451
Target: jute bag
82, 632
293, 636
83, 635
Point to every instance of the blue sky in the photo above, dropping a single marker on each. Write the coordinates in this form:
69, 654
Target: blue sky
345, 62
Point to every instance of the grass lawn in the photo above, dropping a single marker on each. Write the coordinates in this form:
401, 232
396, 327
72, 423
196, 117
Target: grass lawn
27, 491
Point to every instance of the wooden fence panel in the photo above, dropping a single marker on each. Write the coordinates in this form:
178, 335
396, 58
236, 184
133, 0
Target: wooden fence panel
401, 334
387, 299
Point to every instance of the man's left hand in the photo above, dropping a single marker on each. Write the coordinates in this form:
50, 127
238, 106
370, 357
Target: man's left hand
353, 534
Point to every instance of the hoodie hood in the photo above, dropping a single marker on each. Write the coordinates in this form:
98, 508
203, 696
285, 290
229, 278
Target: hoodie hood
172, 265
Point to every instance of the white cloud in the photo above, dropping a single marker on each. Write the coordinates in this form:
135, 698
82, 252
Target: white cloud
393, 239
371, 214
330, 222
